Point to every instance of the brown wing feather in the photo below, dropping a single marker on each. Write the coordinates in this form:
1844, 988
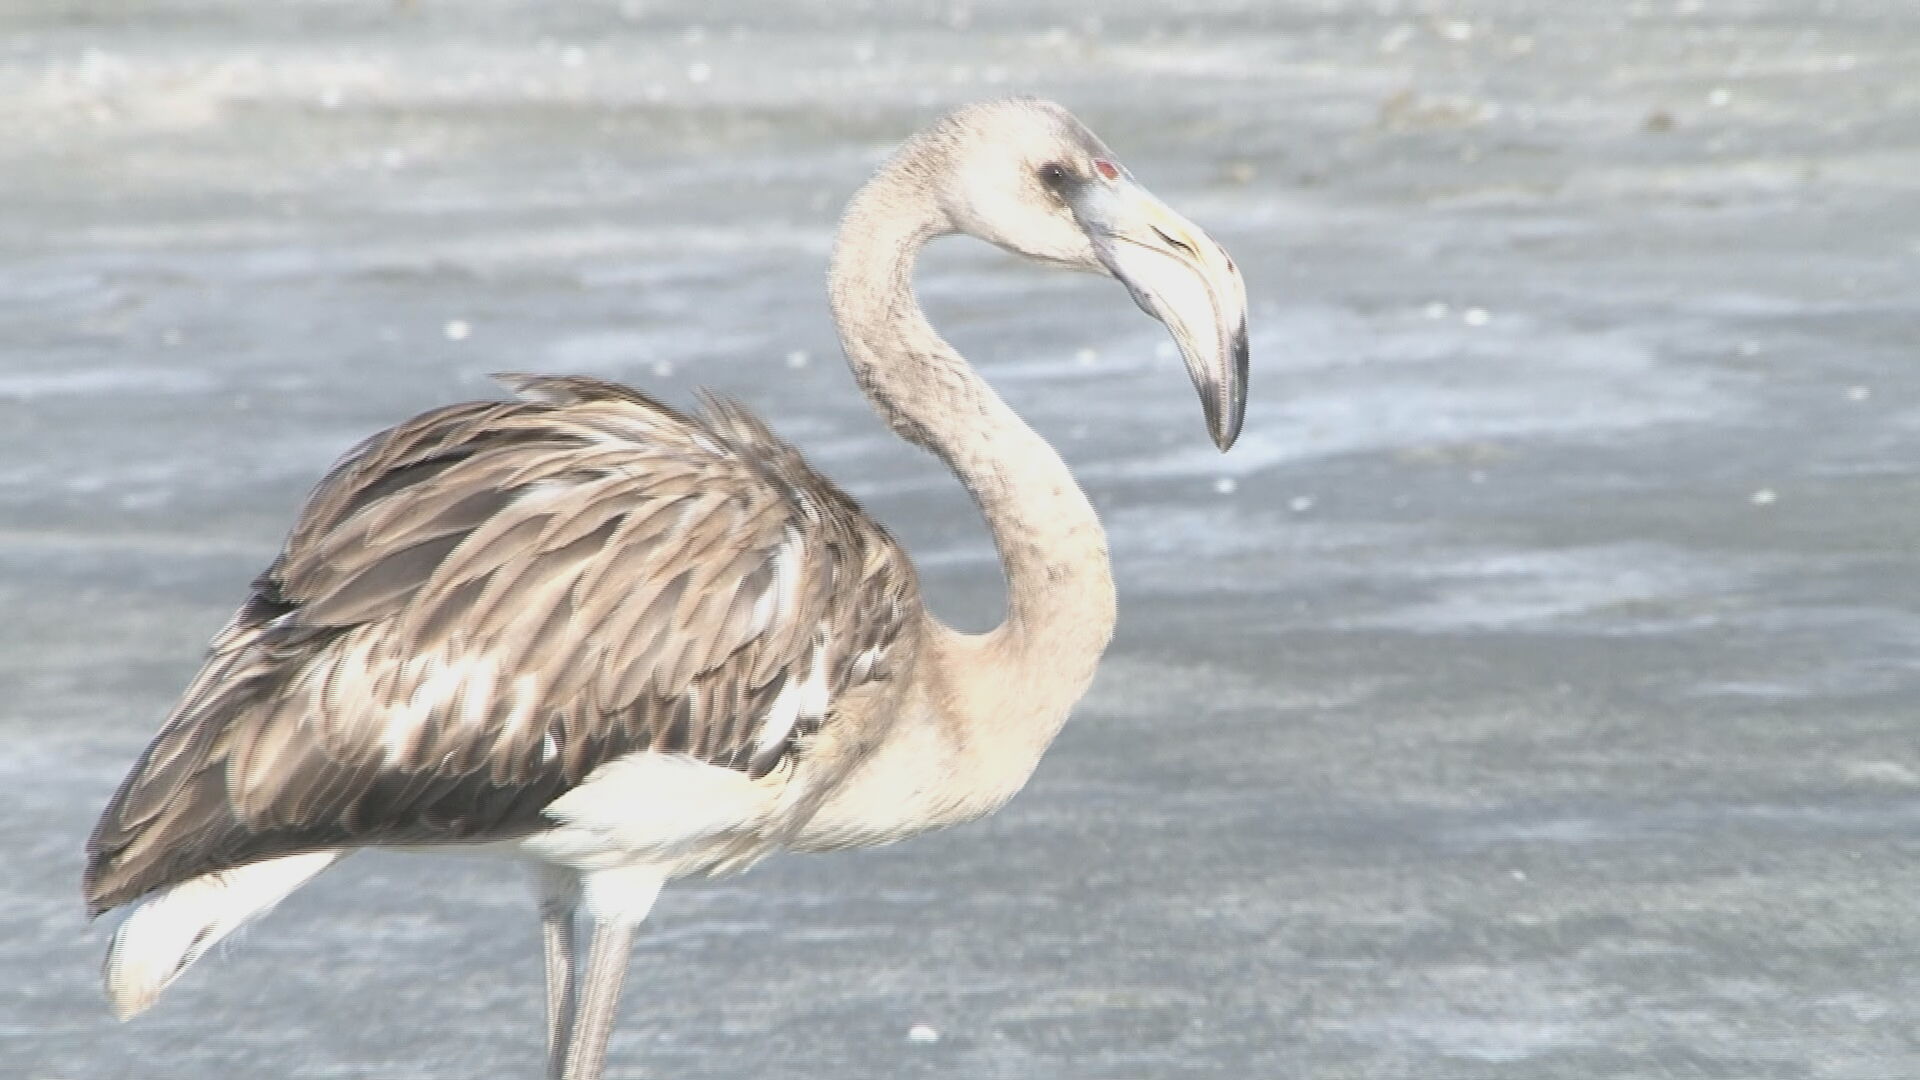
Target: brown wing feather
479, 607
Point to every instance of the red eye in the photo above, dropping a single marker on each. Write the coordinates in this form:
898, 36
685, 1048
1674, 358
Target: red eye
1106, 168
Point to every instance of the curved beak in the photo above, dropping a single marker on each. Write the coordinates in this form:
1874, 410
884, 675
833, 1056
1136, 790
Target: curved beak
1177, 274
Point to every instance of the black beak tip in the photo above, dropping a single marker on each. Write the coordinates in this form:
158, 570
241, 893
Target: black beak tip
1226, 413
1225, 432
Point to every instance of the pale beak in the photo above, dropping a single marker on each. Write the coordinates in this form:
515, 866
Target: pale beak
1177, 274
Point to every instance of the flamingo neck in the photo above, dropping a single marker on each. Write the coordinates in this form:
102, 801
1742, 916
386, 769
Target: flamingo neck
1020, 680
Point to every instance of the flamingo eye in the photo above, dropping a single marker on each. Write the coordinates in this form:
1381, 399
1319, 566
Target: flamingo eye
1107, 169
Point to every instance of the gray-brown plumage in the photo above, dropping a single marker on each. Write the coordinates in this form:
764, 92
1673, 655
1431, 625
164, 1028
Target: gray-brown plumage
625, 644
662, 578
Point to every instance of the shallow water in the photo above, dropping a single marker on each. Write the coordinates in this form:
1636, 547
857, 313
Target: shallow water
1529, 695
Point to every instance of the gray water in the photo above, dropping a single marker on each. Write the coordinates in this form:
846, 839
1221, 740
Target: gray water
1529, 695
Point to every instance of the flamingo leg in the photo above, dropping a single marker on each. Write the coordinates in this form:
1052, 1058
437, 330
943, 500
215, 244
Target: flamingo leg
559, 902
599, 1000
617, 899
557, 934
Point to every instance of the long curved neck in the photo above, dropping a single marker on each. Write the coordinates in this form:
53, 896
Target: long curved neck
1028, 672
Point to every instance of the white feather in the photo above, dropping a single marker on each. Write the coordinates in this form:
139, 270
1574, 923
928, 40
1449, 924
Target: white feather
863, 663
780, 597
813, 689
780, 718
797, 698
172, 929
651, 807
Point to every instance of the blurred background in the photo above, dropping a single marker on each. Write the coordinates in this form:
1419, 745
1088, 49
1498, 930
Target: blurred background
1529, 695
